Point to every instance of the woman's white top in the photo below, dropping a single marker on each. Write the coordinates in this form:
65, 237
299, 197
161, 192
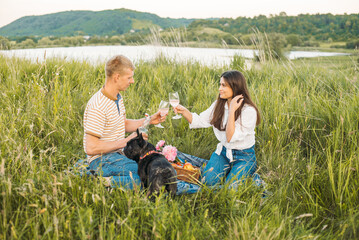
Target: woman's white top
243, 136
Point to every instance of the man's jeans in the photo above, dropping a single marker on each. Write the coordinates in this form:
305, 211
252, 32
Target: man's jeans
122, 170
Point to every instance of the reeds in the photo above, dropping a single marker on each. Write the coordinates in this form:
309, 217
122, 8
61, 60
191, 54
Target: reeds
307, 151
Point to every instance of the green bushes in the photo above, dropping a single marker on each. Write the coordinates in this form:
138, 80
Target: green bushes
352, 44
4, 43
269, 46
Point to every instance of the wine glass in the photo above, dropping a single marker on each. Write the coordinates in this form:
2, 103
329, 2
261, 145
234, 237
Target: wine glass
163, 108
174, 101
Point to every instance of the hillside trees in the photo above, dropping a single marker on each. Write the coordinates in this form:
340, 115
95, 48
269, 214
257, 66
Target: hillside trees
320, 26
100, 23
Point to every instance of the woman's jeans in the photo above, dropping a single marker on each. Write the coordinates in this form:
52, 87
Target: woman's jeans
219, 168
122, 170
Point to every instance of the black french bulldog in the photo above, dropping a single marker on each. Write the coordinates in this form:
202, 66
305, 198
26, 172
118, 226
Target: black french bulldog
153, 168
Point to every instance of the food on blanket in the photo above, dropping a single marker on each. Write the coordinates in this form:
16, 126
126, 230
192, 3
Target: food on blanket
188, 166
176, 164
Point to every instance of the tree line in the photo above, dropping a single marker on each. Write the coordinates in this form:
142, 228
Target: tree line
320, 26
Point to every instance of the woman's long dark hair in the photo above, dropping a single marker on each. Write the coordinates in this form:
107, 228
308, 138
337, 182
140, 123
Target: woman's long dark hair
237, 83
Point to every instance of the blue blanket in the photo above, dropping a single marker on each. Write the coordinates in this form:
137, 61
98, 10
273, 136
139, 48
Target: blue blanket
81, 168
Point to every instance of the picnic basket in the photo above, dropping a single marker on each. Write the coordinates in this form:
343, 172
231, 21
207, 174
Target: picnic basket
191, 176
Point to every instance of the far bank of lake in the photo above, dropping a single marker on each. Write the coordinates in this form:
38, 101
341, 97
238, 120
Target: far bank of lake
98, 54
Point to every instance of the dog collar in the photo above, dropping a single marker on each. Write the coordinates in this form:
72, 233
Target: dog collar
149, 153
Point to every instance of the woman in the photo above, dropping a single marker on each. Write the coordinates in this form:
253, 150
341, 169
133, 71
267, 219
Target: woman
233, 117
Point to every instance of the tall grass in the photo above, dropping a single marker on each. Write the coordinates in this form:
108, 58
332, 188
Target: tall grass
307, 150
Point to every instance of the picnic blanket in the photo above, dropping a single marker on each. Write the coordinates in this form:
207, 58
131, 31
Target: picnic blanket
81, 168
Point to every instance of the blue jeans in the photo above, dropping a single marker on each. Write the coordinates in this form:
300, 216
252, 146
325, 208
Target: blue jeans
122, 170
219, 168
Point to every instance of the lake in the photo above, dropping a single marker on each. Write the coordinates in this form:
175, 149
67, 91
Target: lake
99, 54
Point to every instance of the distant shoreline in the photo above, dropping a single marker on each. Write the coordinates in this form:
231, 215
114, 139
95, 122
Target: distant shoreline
200, 45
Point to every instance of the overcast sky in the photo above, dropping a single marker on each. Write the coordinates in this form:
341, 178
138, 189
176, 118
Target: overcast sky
11, 10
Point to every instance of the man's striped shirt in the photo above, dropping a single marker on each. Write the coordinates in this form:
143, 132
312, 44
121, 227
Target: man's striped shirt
104, 118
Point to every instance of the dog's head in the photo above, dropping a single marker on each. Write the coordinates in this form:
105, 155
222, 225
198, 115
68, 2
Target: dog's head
137, 147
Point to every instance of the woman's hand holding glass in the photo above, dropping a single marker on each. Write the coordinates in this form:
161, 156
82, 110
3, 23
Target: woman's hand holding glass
184, 112
174, 101
179, 109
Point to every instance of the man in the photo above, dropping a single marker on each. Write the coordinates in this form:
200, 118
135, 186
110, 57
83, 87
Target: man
105, 125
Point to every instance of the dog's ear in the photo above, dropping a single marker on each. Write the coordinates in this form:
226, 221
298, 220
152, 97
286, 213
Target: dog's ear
140, 137
138, 132
142, 142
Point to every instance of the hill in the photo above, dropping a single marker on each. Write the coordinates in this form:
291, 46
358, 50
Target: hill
70, 23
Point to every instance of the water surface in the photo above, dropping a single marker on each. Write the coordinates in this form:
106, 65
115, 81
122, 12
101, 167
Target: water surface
99, 54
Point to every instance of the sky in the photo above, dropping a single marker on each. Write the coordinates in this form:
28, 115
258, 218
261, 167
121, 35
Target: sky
10, 10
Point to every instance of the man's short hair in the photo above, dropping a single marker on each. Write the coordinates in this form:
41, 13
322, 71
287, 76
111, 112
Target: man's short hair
117, 64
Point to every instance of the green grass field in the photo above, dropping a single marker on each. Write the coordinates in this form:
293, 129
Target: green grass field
307, 150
